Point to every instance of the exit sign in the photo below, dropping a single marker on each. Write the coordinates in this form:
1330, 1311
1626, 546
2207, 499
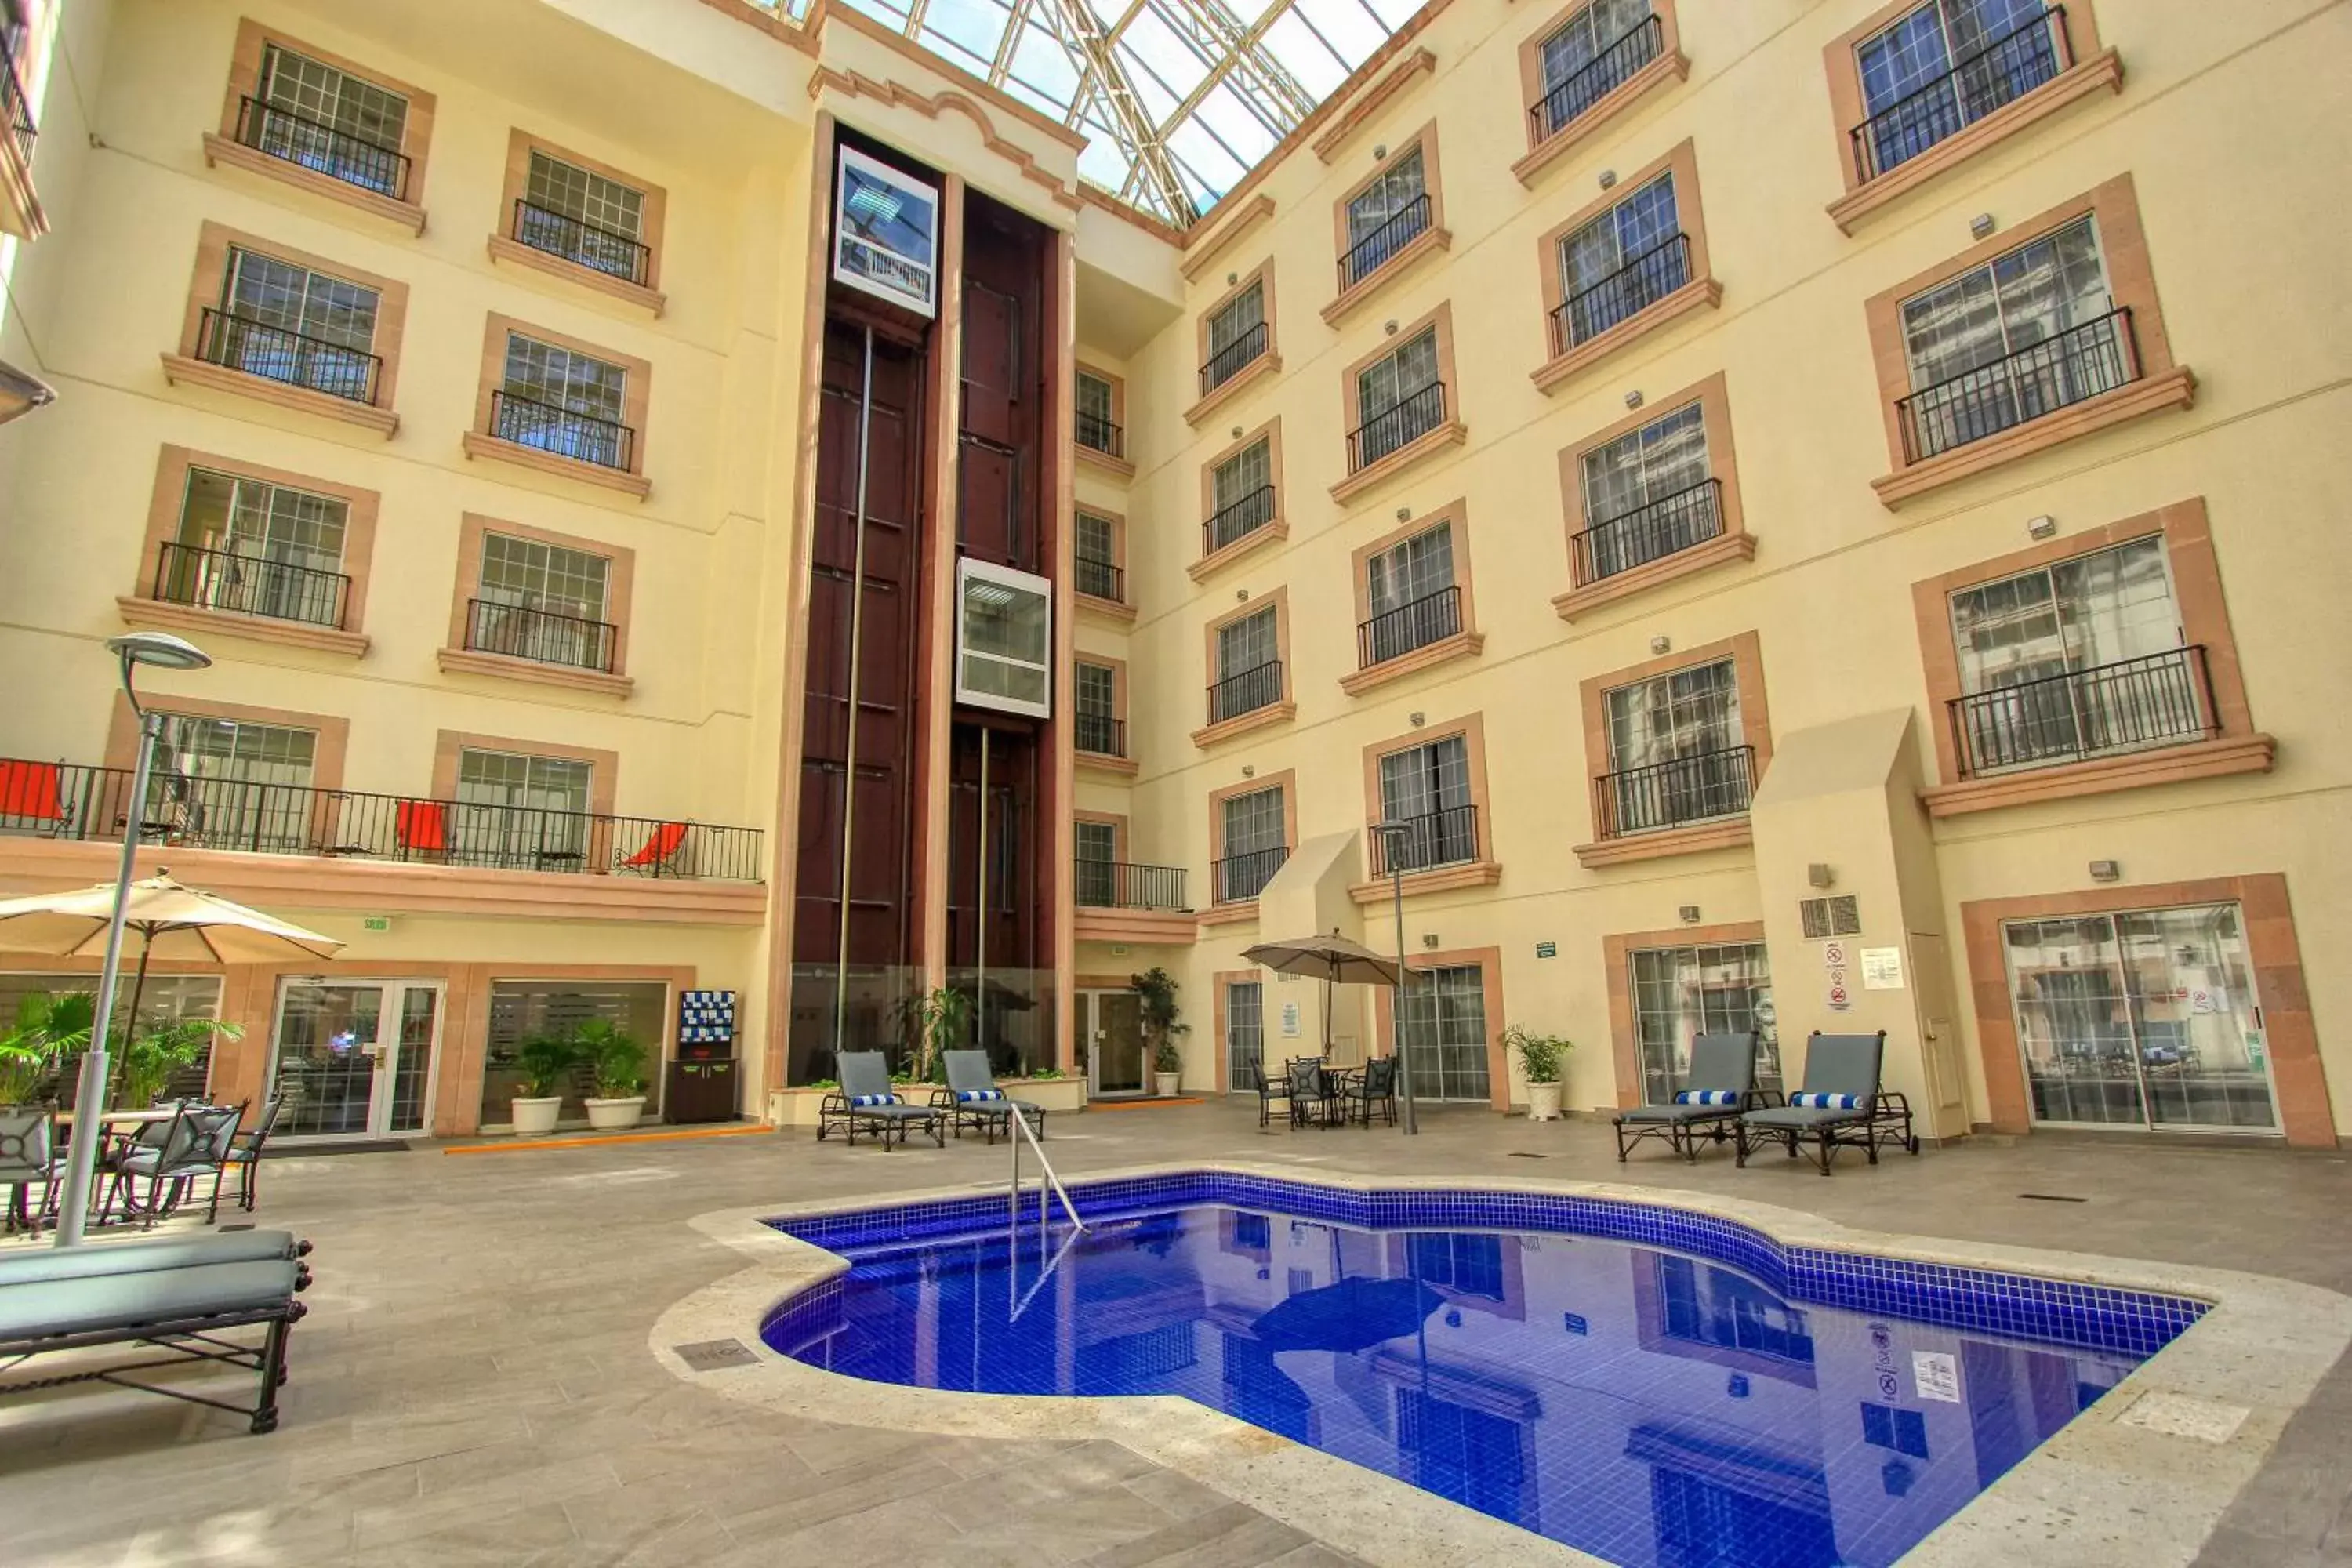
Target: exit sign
375, 922
1547, 949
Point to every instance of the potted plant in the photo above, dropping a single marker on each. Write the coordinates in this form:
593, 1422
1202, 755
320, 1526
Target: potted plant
1161, 1030
544, 1060
148, 1058
47, 1028
618, 1064
942, 1018
1542, 1057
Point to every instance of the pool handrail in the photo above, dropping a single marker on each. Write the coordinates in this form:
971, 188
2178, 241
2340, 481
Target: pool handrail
1022, 1130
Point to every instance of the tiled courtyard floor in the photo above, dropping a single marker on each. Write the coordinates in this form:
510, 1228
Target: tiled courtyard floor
473, 1385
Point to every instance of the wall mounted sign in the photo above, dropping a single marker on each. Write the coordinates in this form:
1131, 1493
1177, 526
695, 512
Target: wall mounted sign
1547, 949
885, 234
1881, 969
1290, 1020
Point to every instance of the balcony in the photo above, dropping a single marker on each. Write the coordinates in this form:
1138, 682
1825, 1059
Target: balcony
250, 585
240, 344
1674, 793
2076, 365
2131, 705
1245, 692
1443, 837
583, 244
1099, 736
1097, 433
2003, 70
1241, 878
14, 109
1117, 885
1376, 249
308, 144
1233, 358
1671, 524
563, 431
542, 637
1622, 295
1393, 634
1237, 521
1100, 580
72, 802
1595, 79
1397, 427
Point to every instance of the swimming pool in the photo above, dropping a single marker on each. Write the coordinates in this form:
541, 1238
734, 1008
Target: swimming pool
1650, 1385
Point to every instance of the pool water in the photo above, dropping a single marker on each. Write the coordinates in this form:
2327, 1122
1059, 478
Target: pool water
1681, 1392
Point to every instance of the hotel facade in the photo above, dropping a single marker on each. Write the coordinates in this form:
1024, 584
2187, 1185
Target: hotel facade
1807, 516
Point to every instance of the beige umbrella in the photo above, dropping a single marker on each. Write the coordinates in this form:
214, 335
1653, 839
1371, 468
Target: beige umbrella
1334, 959
174, 921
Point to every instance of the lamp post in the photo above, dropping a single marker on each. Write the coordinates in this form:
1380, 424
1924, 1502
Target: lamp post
165, 652
1393, 837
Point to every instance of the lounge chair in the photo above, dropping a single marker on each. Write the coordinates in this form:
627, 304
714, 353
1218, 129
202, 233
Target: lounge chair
866, 1103
1719, 1088
972, 1099
1840, 1106
660, 848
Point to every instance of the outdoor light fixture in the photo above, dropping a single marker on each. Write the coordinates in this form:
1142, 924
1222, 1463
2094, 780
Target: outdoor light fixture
1248, 772
1380, 150
1429, 939
1819, 875
1241, 595
1232, 279
1404, 514
1662, 645
21, 393
1395, 837
1608, 178
1418, 720
1388, 326
2105, 871
2041, 527
1237, 432
1981, 225
1634, 398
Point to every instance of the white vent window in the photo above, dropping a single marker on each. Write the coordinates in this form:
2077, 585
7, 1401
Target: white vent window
1004, 639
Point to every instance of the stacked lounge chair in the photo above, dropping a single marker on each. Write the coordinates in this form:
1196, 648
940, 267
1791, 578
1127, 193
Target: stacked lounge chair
972, 1099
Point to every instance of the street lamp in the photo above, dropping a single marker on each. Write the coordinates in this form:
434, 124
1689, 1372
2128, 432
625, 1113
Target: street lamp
21, 393
133, 648
1394, 837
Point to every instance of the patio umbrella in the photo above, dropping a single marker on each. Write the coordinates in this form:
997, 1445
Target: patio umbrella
174, 921
1334, 959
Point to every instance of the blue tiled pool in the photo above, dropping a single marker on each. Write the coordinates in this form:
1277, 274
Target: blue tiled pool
1645, 1385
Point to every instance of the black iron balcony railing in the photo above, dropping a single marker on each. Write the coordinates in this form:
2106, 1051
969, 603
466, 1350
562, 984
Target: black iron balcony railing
1117, 885
249, 586
339, 154
598, 250
1230, 361
565, 432
1673, 792
14, 108
1245, 692
2081, 363
1446, 837
1372, 252
1417, 623
1099, 433
1099, 579
276, 355
66, 801
1622, 295
2004, 70
1242, 877
1649, 533
2131, 705
544, 637
1101, 735
1397, 427
1237, 520
1597, 78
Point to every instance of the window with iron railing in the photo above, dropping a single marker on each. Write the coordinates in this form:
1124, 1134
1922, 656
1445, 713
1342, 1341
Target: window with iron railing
1237, 336
557, 400
1647, 494
254, 547
1398, 399
542, 602
1095, 558
1249, 666
1589, 56
1254, 834
1242, 490
1384, 218
1620, 264
1409, 590
1426, 792
325, 119
1945, 66
1095, 868
516, 809
583, 217
1094, 689
286, 323
220, 781
1676, 751
16, 109
1097, 417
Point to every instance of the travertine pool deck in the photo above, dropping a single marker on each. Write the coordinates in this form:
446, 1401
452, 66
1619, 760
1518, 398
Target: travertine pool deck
477, 1382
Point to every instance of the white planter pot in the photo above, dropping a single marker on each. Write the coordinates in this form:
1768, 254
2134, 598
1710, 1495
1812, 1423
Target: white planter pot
1168, 1085
535, 1118
1543, 1102
615, 1115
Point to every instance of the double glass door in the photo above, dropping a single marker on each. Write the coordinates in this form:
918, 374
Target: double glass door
355, 1060
1110, 1033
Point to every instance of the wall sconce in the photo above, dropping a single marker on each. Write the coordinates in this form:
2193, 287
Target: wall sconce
1634, 398
1429, 939
1417, 718
1662, 645
1241, 595
1248, 772
1689, 913
2106, 871
1237, 432
1404, 514
1232, 279
1388, 326
1608, 178
1380, 150
1981, 225
1821, 874
2041, 527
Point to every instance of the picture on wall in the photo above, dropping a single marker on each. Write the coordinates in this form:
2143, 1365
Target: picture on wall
885, 233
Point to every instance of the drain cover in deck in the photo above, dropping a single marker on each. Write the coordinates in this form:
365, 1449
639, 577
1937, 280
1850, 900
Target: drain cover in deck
710, 1356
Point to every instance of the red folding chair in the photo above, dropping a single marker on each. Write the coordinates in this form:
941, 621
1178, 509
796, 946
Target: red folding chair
33, 793
422, 827
659, 849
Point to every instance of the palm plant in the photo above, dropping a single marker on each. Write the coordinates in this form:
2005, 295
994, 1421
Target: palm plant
150, 1056
544, 1061
613, 1056
47, 1028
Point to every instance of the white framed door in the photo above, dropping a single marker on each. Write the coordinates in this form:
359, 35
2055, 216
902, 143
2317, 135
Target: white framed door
355, 1059
1111, 1024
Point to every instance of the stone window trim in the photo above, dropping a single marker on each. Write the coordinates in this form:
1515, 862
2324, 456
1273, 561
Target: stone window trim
182, 365
1735, 543
478, 443
1112, 609
1279, 529
2272, 950
327, 761
245, 81
1433, 237
1617, 952
504, 247
2092, 70
2204, 620
2131, 282
1124, 468
1097, 762
1280, 712
1485, 870
1702, 292
1746, 652
1264, 366
620, 583
164, 510
1490, 961
1213, 913
1113, 820
1449, 431
1670, 66
1466, 643
603, 766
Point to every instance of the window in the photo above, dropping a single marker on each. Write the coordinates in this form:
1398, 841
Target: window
288, 323
2028, 333
1095, 693
1681, 992
1466, 1264
1444, 1021
1095, 552
1096, 866
227, 784
1647, 494
562, 401
1945, 67
1409, 588
1384, 218
1245, 1040
1718, 1308
323, 118
1004, 639
1237, 336
1399, 398
1427, 788
2080, 658
163, 999
1242, 490
1675, 750
1249, 666
1255, 838
522, 1009
517, 812
1590, 55
584, 217
1619, 263
1097, 415
255, 549
542, 601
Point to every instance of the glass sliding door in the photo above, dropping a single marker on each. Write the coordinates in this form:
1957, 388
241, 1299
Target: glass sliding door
1445, 1033
356, 1060
1682, 993
1111, 1024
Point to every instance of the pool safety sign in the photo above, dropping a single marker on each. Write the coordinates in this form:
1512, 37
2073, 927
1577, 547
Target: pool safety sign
1936, 1375
1881, 969
1837, 991
1881, 1364
1290, 1020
